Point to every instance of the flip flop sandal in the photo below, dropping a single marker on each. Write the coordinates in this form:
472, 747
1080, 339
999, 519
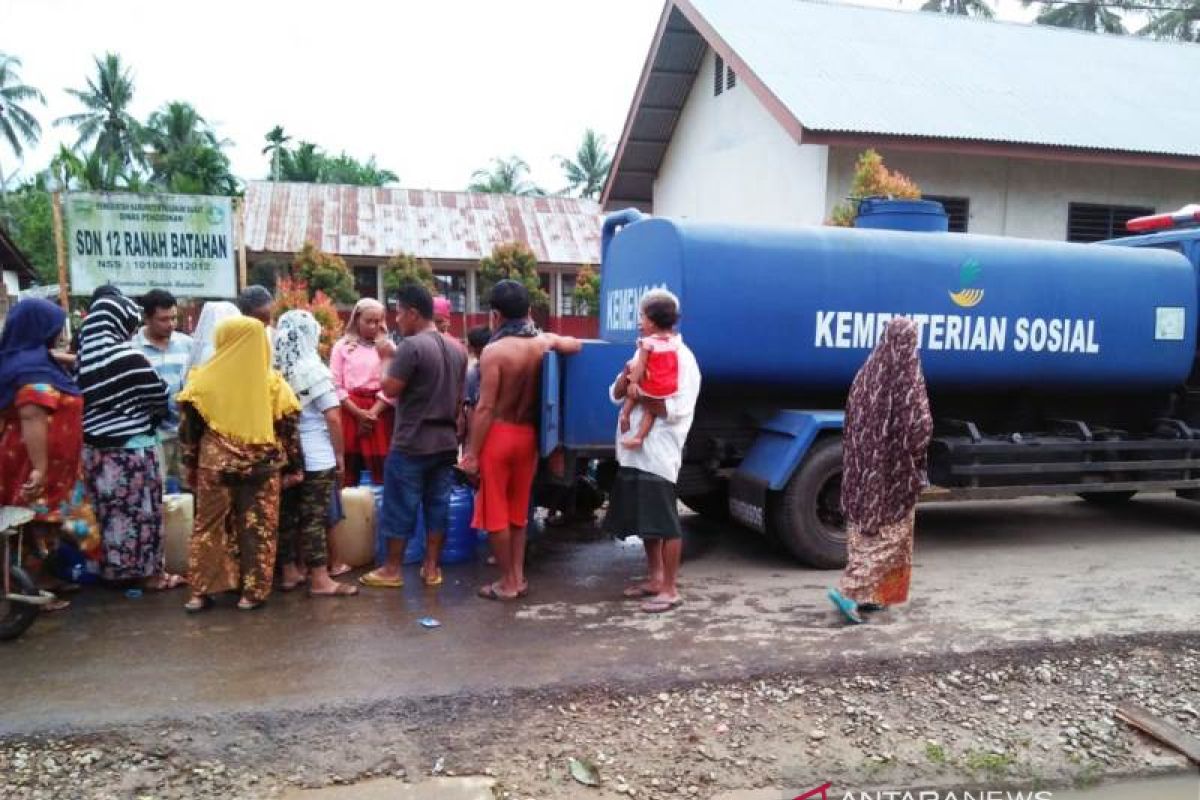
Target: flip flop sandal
293, 586
375, 581
165, 584
198, 604
436, 580
660, 606
58, 604
250, 605
341, 569
846, 606
637, 593
490, 592
342, 590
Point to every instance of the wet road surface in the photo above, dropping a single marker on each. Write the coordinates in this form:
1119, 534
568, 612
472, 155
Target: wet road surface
988, 577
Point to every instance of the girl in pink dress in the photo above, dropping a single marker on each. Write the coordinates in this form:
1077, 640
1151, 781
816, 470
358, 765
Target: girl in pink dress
357, 369
654, 371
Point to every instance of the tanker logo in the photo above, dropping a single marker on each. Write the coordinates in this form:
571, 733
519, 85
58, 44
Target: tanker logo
967, 296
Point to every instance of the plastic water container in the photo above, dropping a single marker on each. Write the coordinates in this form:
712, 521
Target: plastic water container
462, 543
353, 538
179, 513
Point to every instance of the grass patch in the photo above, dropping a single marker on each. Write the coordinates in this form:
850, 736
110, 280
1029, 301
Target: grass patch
994, 764
935, 754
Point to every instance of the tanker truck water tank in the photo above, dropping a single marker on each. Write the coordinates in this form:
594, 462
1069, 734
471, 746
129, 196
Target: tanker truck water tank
801, 307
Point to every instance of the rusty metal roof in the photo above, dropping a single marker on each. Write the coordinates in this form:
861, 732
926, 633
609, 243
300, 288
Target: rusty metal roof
382, 221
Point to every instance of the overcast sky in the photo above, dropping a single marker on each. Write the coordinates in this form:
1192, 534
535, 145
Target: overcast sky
432, 88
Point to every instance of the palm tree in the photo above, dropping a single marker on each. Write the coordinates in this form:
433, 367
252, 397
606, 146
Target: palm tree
965, 8
107, 120
303, 164
18, 126
589, 170
1181, 23
1083, 15
507, 176
276, 140
185, 155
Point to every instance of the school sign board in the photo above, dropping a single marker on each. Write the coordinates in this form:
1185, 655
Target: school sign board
181, 243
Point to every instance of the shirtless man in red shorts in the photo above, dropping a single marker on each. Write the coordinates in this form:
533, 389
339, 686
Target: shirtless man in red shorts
503, 445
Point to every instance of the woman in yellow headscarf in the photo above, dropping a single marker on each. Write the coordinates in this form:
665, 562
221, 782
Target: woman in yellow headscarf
240, 446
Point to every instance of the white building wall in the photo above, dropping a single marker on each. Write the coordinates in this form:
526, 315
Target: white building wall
1021, 197
729, 160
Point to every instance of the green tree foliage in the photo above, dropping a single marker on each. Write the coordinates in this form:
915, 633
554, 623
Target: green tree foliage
588, 170
276, 145
18, 126
185, 156
403, 268
1179, 21
505, 176
106, 120
965, 8
1084, 15
587, 292
516, 261
27, 218
872, 179
324, 272
307, 163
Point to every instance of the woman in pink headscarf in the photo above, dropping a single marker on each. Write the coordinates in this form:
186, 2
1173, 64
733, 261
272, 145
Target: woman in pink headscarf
886, 439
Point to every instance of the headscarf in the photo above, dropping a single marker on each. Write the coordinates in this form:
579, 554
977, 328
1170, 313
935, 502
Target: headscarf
297, 336
122, 394
887, 432
204, 338
29, 333
365, 304
236, 392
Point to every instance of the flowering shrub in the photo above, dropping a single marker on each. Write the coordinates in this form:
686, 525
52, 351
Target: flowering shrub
872, 179
324, 272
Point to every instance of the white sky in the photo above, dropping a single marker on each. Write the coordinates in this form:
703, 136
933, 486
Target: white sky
432, 88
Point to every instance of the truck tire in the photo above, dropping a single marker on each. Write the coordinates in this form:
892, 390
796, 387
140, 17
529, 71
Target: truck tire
712, 505
806, 516
1107, 499
17, 617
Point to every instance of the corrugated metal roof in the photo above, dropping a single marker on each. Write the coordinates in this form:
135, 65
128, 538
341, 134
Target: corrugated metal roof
849, 68
381, 222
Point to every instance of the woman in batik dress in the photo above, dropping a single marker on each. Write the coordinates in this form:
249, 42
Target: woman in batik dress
887, 431
240, 447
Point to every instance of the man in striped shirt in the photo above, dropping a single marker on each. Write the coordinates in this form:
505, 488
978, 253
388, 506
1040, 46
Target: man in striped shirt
167, 350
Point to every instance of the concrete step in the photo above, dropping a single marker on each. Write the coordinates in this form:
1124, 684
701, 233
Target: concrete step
470, 788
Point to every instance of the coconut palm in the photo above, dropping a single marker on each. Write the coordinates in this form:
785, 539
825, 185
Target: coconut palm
106, 120
276, 142
588, 171
506, 176
1084, 15
303, 164
1180, 23
964, 8
18, 126
185, 155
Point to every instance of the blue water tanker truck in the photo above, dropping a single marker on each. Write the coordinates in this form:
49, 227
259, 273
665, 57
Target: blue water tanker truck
1053, 368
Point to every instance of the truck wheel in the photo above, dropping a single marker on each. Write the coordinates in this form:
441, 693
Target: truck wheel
806, 517
15, 618
1107, 498
712, 505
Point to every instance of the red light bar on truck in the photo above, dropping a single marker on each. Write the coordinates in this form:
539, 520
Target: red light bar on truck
1184, 217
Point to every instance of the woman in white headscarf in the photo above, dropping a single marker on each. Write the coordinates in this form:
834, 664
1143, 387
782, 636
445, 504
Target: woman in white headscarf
204, 338
305, 507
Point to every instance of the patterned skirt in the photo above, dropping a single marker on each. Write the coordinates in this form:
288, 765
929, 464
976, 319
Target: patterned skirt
126, 491
879, 567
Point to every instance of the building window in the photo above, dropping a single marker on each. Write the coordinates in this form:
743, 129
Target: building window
453, 286
365, 282
723, 77
1093, 222
566, 304
958, 209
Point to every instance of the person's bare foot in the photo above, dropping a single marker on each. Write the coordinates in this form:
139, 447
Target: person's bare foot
661, 603
493, 591
640, 591
293, 577
339, 569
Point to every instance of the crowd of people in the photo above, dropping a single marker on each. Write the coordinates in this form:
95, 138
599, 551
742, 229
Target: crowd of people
247, 416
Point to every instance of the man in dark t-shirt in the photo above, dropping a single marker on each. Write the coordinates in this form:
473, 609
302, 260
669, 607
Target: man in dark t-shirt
426, 377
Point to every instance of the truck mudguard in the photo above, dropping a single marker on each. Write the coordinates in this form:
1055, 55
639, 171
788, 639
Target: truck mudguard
783, 441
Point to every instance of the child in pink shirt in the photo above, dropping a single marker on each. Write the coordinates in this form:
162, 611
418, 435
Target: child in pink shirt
654, 371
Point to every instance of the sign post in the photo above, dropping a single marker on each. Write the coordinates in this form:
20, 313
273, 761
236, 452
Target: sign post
60, 251
182, 243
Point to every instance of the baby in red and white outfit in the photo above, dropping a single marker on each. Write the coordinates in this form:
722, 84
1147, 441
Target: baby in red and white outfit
654, 370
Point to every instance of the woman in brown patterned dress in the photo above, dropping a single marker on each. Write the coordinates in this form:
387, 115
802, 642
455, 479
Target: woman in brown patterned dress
886, 438
240, 446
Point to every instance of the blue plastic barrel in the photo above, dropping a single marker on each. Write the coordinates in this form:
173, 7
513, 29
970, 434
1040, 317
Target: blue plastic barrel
902, 215
461, 540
